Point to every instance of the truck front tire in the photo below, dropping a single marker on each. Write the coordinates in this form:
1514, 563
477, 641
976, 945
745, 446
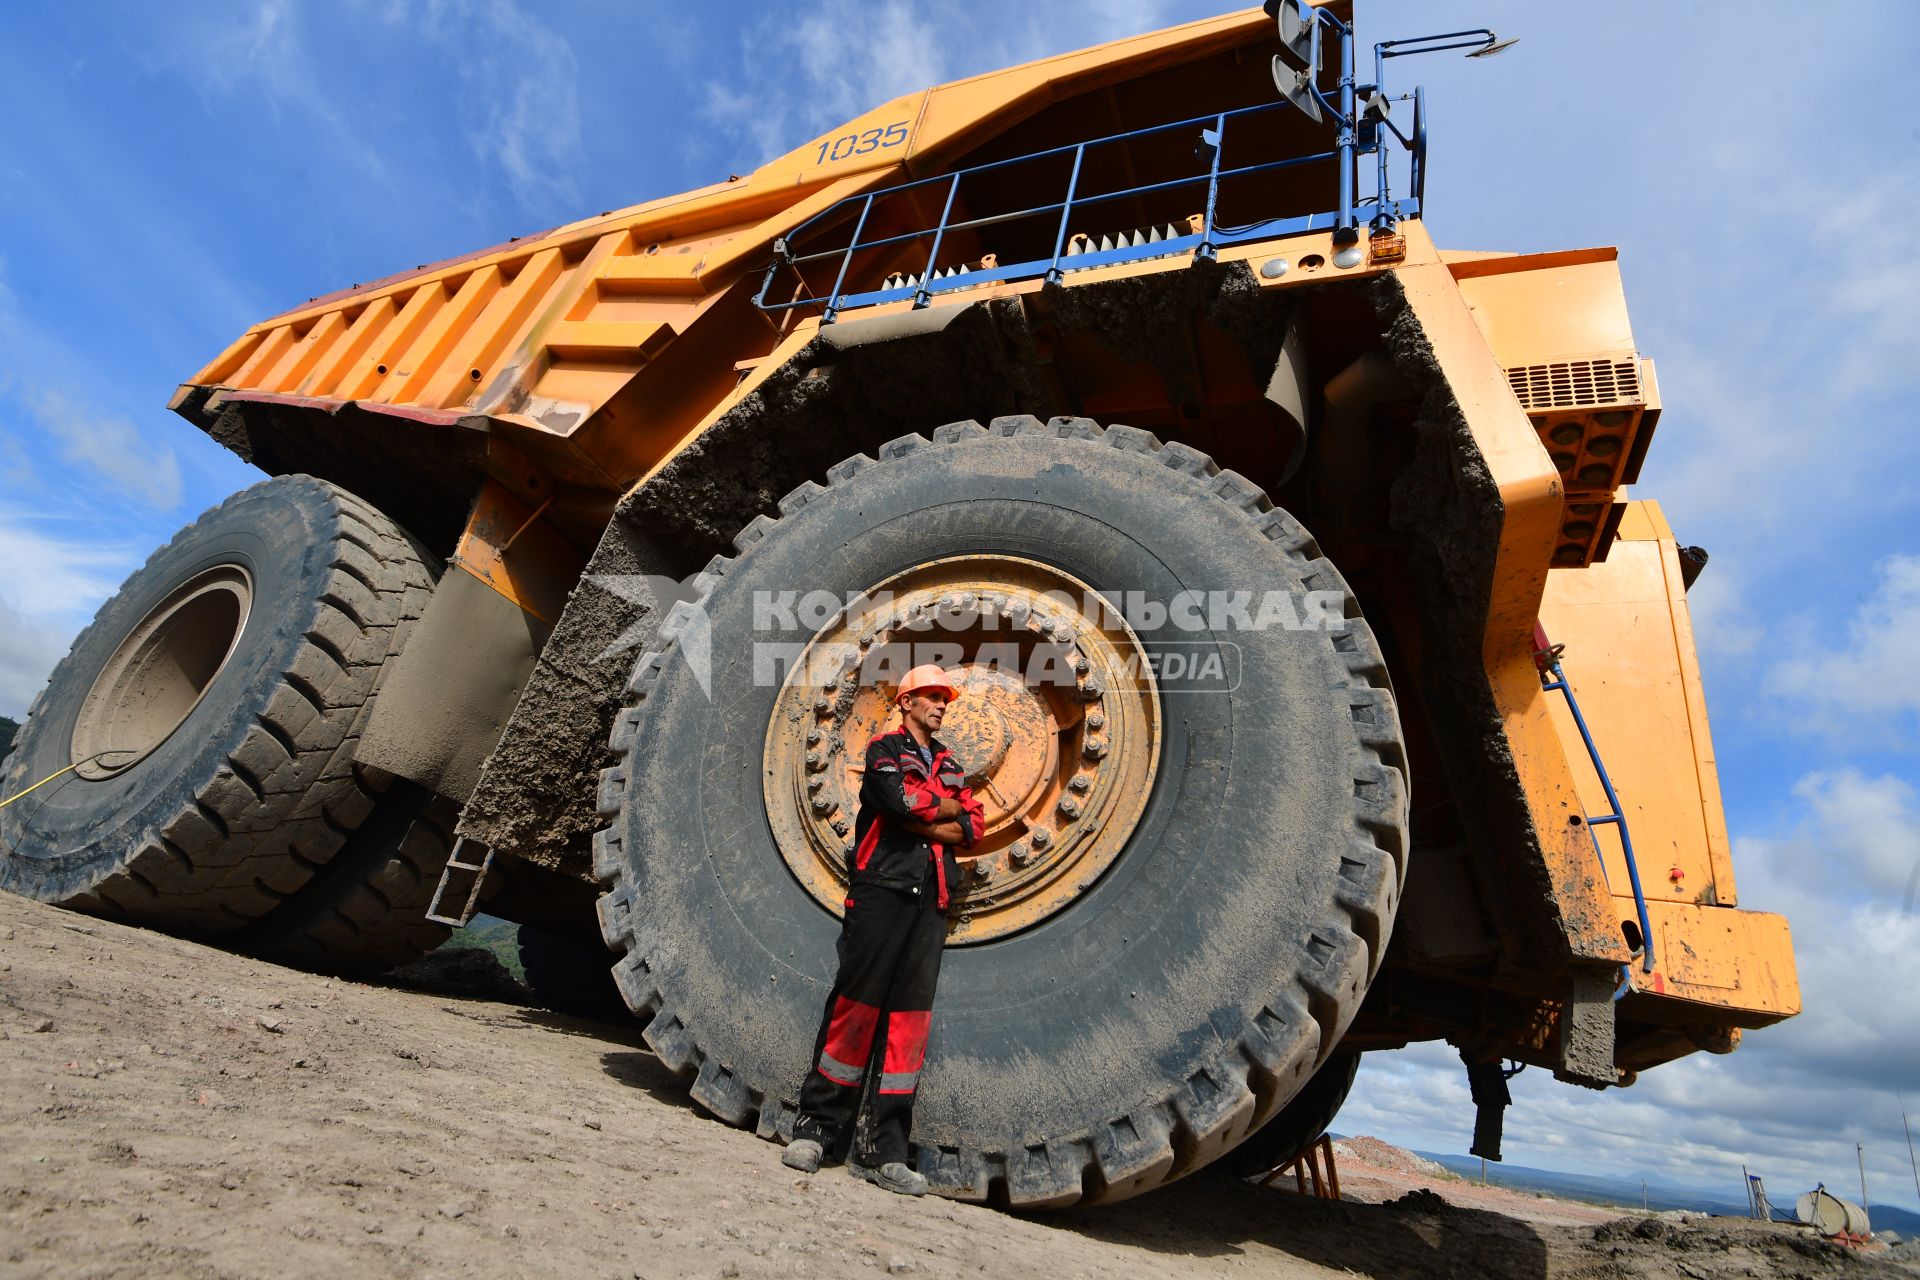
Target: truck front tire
1183, 997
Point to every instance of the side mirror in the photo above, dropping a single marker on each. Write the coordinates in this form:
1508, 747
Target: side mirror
1300, 35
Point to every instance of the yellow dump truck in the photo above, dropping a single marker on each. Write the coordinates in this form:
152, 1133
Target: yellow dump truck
1324, 689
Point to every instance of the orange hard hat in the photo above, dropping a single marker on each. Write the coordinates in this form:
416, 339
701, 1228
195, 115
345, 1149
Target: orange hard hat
927, 676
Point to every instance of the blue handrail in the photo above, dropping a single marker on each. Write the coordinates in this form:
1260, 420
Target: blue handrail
790, 250
1615, 817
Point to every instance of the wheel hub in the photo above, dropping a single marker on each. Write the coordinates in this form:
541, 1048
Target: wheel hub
1057, 727
158, 674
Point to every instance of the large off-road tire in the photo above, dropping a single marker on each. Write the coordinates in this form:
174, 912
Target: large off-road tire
1299, 1123
1150, 1023
232, 674
365, 912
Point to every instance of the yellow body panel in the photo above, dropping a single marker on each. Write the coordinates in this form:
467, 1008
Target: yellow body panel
1736, 966
1631, 662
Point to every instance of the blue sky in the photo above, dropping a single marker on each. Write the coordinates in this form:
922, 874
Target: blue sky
171, 174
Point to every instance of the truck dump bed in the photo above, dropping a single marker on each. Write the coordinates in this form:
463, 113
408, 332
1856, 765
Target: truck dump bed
598, 347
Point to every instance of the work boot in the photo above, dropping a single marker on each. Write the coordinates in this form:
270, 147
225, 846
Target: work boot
802, 1154
893, 1176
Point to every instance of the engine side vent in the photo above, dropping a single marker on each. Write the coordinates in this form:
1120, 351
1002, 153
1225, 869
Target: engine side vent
1594, 416
1576, 383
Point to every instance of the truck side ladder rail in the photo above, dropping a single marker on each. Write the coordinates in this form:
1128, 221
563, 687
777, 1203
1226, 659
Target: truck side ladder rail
478, 870
1554, 680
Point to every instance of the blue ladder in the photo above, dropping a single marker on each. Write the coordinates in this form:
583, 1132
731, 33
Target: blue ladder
1554, 680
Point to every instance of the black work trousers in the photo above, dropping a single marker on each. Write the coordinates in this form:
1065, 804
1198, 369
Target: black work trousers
873, 1033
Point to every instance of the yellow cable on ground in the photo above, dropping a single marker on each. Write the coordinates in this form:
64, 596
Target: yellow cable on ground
118, 751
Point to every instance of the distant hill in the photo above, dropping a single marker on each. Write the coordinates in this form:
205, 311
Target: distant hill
491, 934
1587, 1187
1626, 1192
1886, 1217
7, 729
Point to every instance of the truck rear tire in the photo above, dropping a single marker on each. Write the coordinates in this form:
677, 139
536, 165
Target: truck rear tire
1299, 1123
207, 718
365, 912
1140, 1027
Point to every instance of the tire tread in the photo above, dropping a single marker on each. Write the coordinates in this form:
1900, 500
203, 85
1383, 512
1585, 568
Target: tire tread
1292, 1033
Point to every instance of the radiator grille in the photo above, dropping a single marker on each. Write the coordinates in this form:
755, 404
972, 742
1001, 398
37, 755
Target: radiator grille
1576, 383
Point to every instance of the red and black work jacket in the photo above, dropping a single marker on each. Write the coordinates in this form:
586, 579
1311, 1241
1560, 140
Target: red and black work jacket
900, 785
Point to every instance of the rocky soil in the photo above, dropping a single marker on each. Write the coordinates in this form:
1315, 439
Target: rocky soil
170, 1109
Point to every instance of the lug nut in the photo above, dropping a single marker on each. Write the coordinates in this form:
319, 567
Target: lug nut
840, 826
813, 737
1082, 666
1096, 720
822, 806
1081, 782
816, 761
982, 869
823, 705
815, 783
1091, 692
1094, 748
1042, 838
1020, 853
1069, 807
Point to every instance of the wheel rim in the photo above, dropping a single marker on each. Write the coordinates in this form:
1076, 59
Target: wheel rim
1058, 725
159, 673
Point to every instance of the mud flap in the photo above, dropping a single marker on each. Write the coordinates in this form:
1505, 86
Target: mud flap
449, 695
1586, 1031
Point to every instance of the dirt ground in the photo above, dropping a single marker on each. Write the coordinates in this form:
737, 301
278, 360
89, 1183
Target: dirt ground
170, 1109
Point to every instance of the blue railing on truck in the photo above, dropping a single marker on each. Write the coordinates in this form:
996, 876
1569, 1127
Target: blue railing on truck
1554, 680
1356, 134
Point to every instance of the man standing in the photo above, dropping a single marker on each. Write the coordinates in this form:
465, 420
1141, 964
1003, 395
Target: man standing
915, 808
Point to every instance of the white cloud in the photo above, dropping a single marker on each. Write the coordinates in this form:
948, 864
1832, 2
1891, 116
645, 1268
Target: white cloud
1861, 836
899, 49
266, 54
16, 469
523, 104
1857, 676
1873, 297
58, 574
29, 648
115, 451
1725, 624
1785, 391
520, 103
54, 582
811, 67
816, 65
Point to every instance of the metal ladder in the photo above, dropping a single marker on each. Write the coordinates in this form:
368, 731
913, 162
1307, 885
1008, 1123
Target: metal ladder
1552, 679
476, 869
